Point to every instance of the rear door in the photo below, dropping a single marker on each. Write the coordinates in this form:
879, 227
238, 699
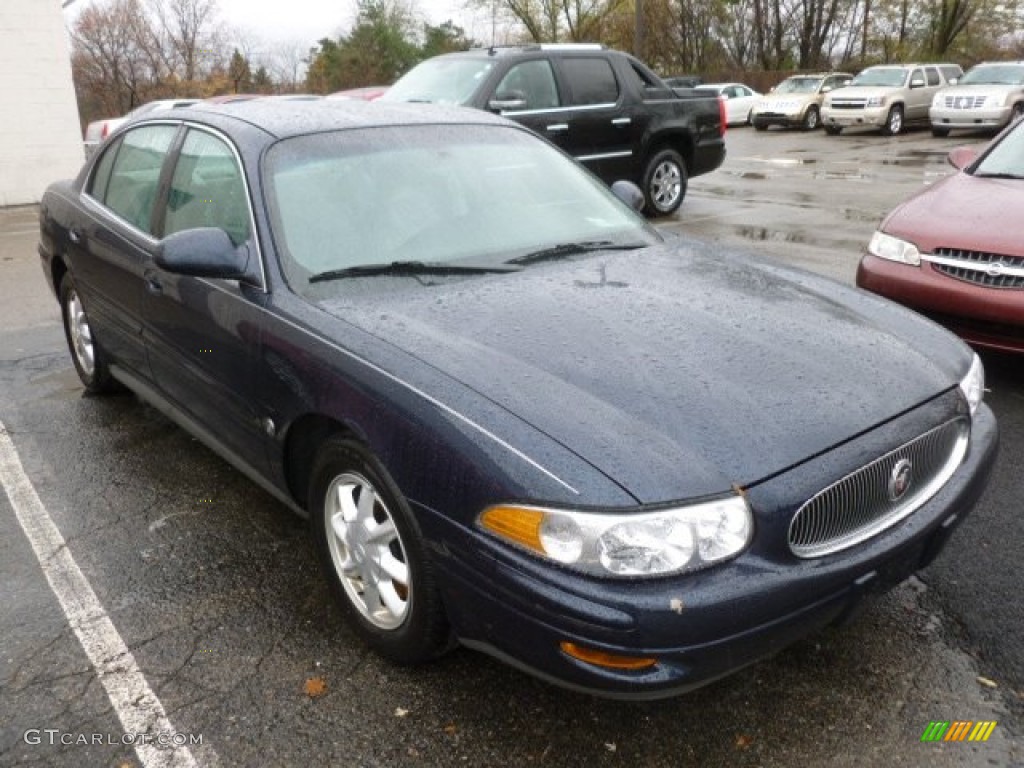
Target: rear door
601, 126
112, 245
203, 335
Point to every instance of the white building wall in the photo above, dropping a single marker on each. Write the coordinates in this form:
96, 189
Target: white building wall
40, 138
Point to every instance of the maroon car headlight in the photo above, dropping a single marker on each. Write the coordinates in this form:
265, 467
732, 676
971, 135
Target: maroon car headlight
656, 543
892, 248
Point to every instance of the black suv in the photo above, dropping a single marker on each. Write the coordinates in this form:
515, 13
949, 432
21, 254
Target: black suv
604, 107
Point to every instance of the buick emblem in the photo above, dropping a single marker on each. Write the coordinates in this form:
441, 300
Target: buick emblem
900, 479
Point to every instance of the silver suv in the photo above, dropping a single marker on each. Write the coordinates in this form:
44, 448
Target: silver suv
796, 101
888, 97
989, 96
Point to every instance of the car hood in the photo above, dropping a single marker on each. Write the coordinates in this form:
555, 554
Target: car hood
679, 370
979, 90
787, 99
965, 212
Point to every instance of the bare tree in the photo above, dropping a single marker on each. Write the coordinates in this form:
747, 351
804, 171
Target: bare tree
190, 36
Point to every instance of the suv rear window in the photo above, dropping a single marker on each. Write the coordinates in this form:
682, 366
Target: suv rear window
591, 80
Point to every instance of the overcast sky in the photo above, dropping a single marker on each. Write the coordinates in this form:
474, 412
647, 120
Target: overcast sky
306, 21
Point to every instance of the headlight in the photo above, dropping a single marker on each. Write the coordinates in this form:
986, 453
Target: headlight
639, 544
892, 248
875, 101
973, 384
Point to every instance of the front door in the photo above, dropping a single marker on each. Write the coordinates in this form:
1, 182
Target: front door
202, 335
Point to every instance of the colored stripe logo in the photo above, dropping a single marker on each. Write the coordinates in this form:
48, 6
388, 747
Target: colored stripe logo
958, 730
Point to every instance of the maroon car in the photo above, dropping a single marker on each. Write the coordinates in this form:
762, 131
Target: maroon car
955, 251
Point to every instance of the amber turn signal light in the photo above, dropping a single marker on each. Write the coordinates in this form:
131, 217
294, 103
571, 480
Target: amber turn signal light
603, 659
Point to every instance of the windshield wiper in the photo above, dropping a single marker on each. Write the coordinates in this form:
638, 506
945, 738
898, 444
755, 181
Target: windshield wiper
572, 249
998, 175
409, 268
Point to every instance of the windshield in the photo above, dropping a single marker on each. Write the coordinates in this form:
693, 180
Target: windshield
889, 77
994, 74
437, 194
1006, 158
799, 85
441, 81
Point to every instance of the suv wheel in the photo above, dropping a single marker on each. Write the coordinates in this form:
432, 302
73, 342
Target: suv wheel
893, 121
664, 183
1017, 113
811, 119
833, 130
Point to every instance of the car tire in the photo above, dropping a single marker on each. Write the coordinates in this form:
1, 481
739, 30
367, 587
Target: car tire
664, 184
89, 358
760, 126
372, 553
812, 119
940, 133
833, 130
1017, 112
893, 121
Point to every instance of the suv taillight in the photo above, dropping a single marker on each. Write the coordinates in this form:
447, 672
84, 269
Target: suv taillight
105, 131
722, 116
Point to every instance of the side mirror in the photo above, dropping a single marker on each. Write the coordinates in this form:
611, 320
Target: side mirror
629, 193
953, 80
203, 252
961, 157
507, 101
917, 82
826, 88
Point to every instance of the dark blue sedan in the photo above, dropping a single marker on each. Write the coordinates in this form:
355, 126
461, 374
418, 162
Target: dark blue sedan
518, 417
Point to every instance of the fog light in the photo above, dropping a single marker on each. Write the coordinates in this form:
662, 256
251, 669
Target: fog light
603, 659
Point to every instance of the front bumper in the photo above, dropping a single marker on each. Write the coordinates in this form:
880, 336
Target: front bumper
846, 118
992, 118
788, 119
984, 317
699, 627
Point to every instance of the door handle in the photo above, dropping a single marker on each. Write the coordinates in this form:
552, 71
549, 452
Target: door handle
74, 236
621, 121
558, 128
153, 285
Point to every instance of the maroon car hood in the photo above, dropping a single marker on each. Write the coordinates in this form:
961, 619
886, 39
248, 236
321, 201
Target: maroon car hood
964, 211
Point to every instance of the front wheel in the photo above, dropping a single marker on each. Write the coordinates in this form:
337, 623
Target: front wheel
664, 183
833, 130
812, 119
1017, 112
89, 359
372, 553
893, 121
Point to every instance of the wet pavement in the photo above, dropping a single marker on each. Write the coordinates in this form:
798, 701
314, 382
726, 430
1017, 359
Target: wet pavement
213, 585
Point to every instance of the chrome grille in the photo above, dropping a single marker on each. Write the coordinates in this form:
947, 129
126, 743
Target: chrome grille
964, 102
989, 269
848, 104
861, 505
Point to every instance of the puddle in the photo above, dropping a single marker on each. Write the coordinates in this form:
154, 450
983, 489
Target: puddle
752, 175
918, 158
775, 235
841, 175
784, 160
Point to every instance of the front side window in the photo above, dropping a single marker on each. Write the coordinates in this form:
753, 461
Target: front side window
135, 174
933, 76
591, 81
531, 81
207, 189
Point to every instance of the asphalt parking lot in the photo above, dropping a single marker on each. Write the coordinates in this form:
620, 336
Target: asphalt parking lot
228, 634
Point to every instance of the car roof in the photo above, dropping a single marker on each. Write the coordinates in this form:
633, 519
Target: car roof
294, 118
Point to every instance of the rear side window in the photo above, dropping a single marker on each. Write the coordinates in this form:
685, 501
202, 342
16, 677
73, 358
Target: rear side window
135, 175
101, 176
591, 81
207, 189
